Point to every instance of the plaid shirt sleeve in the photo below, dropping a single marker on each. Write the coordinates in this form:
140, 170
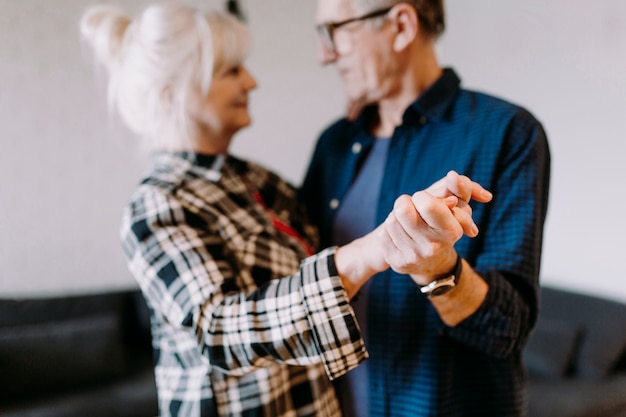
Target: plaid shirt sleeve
184, 271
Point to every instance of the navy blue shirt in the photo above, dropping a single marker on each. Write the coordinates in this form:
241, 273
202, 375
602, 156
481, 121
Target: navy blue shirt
418, 366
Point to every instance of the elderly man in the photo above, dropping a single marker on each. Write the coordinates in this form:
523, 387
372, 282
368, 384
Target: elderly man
445, 338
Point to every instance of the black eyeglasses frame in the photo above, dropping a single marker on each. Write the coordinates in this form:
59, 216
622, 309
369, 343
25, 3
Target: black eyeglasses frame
326, 30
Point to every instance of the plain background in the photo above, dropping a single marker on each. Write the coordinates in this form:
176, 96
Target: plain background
67, 167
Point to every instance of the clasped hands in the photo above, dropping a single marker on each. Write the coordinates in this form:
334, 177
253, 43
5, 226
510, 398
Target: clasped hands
418, 236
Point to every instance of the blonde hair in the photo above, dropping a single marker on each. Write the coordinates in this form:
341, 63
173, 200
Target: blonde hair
157, 60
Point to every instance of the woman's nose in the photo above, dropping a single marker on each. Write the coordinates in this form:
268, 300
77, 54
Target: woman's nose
249, 81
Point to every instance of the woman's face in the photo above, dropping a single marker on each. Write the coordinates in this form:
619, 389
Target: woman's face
224, 110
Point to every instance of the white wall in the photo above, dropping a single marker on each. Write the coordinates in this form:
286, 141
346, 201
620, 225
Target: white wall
67, 169
566, 61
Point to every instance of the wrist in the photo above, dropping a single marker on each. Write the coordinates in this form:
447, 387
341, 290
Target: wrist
355, 265
464, 300
445, 283
436, 269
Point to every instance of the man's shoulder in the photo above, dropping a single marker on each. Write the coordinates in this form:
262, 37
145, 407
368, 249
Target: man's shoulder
494, 121
338, 127
491, 106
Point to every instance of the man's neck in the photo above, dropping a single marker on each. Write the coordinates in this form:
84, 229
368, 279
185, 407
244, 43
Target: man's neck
418, 77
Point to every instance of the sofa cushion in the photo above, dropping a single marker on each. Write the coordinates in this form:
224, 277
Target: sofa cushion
552, 351
49, 345
132, 396
578, 398
43, 358
604, 326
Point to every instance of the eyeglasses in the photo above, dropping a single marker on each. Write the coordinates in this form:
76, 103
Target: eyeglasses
326, 30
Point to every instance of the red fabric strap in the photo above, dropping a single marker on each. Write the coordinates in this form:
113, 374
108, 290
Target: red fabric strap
284, 227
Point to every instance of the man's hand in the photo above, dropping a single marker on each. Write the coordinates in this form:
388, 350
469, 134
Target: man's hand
417, 237
419, 234
465, 190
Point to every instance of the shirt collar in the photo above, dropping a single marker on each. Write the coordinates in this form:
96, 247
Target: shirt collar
209, 166
436, 99
432, 103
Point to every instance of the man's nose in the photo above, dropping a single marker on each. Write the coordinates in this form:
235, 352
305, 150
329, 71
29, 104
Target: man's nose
325, 55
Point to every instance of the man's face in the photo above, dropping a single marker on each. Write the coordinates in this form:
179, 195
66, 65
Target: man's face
362, 52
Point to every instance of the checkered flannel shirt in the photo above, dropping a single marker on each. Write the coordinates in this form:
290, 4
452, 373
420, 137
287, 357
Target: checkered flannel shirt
240, 326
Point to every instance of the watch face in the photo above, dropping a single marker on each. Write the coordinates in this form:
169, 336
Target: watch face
441, 290
444, 285
439, 287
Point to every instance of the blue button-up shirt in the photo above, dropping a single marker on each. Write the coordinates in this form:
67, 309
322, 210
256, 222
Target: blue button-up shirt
419, 366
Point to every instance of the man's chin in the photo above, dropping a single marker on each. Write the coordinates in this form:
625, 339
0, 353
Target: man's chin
354, 106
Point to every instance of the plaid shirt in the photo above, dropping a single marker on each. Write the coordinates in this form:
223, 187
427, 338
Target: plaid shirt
230, 338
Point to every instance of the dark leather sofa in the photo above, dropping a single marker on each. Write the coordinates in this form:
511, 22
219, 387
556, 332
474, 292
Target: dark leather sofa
76, 356
576, 357
91, 355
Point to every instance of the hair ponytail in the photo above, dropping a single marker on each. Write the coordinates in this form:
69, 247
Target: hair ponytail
103, 28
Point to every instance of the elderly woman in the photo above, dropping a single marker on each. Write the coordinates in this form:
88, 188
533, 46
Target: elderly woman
246, 319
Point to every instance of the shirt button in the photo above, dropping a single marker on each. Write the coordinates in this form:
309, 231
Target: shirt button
423, 120
356, 148
334, 203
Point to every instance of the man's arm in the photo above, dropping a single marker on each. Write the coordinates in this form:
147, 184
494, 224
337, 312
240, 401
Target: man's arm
494, 306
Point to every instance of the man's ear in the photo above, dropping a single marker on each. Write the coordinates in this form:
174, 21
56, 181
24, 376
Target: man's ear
405, 25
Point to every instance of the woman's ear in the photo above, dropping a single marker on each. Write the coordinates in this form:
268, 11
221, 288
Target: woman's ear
405, 25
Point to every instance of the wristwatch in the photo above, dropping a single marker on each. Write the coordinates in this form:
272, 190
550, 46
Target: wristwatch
444, 285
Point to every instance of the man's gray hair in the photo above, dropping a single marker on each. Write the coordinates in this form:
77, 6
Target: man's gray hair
430, 12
